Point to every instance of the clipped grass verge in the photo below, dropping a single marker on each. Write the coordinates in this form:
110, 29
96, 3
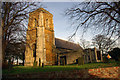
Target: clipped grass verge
24, 70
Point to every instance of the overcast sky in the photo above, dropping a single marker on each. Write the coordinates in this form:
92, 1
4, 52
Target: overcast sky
61, 24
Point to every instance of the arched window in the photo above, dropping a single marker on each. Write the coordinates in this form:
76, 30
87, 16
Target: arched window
36, 23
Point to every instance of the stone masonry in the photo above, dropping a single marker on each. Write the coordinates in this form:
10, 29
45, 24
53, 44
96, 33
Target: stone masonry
40, 38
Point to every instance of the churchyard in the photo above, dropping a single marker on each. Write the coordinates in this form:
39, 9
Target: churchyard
56, 68
43, 55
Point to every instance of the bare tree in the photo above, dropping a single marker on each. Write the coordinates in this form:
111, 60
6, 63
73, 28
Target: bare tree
103, 43
15, 50
104, 17
13, 16
84, 44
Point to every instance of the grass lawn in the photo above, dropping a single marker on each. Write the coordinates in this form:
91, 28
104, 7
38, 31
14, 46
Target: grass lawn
24, 70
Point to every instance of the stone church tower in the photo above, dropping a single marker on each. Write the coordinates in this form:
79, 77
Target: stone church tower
40, 39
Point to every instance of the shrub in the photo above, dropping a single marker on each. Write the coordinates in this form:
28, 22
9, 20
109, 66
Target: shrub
105, 59
115, 54
80, 61
5, 65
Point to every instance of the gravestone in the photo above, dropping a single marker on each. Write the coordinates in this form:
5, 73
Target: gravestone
80, 60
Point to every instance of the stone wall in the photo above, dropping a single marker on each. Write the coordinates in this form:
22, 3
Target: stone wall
91, 55
71, 56
40, 32
109, 73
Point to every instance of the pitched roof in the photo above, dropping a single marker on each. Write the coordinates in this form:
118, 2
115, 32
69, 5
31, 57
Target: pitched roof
66, 44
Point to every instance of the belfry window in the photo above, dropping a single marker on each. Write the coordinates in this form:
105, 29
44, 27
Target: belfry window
36, 23
47, 23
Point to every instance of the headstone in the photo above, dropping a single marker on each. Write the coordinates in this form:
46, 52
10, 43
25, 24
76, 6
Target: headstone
80, 60
35, 63
39, 62
42, 64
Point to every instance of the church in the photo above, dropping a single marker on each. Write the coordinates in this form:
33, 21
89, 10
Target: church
41, 45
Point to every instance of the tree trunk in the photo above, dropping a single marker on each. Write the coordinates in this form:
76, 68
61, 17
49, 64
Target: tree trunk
23, 59
4, 43
12, 60
17, 60
3, 52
